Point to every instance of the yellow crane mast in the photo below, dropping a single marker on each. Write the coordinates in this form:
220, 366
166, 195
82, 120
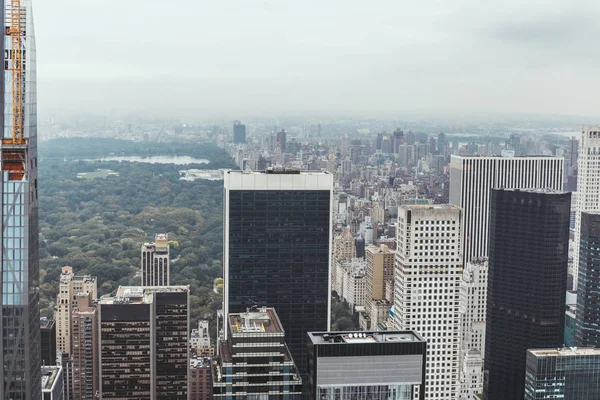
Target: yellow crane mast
16, 67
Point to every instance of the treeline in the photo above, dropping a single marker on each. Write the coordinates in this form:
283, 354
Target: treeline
97, 226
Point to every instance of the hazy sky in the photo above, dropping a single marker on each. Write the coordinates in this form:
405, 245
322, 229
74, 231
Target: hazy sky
369, 57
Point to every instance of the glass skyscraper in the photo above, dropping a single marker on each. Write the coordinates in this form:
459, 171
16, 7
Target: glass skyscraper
20, 322
527, 282
277, 249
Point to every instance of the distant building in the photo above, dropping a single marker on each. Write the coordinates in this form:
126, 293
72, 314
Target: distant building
366, 365
380, 269
156, 262
588, 185
428, 274
587, 329
563, 373
350, 281
200, 340
52, 383
278, 249
254, 362
529, 244
281, 141
239, 132
472, 178
48, 341
143, 343
344, 246
201, 387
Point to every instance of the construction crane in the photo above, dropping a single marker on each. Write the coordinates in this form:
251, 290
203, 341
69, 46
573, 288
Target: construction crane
17, 69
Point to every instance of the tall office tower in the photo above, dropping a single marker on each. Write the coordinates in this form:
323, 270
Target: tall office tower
588, 183
156, 262
277, 249
239, 132
529, 246
380, 268
567, 373
48, 341
84, 355
143, 343
70, 285
471, 179
366, 365
254, 362
281, 140
20, 320
344, 246
587, 330
428, 276
473, 300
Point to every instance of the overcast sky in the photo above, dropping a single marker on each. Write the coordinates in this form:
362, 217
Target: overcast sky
368, 57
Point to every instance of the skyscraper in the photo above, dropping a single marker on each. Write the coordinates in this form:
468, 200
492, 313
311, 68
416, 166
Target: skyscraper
588, 183
380, 268
471, 179
156, 262
567, 373
20, 322
143, 343
277, 249
239, 132
281, 140
366, 365
84, 354
48, 341
428, 275
587, 329
529, 243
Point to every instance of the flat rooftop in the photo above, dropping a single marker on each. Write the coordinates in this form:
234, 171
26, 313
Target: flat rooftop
49, 375
255, 320
140, 294
544, 191
565, 352
361, 337
500, 156
278, 170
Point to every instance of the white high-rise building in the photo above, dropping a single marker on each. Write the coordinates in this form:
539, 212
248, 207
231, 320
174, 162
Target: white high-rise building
588, 183
428, 277
473, 301
473, 177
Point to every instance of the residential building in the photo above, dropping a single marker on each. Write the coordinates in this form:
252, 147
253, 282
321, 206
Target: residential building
529, 242
143, 343
52, 383
380, 270
201, 387
472, 178
428, 276
587, 328
366, 365
350, 281
200, 340
588, 183
48, 341
473, 300
563, 373
239, 132
84, 355
20, 375
344, 246
255, 362
277, 249
156, 262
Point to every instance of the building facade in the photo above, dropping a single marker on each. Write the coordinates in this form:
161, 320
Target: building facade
143, 343
156, 262
84, 354
587, 329
428, 276
200, 340
472, 178
588, 183
255, 362
529, 242
48, 341
52, 383
380, 270
563, 373
277, 249
201, 387
239, 132
366, 365
20, 319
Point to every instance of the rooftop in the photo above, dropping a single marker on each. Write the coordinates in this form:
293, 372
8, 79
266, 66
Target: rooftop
356, 337
255, 320
200, 362
278, 170
140, 294
499, 156
546, 190
565, 352
49, 375
46, 323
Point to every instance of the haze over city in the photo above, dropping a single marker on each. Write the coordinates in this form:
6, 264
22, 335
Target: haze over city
377, 58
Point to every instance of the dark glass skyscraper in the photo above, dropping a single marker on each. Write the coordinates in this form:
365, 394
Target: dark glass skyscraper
277, 249
239, 132
20, 320
529, 242
587, 325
